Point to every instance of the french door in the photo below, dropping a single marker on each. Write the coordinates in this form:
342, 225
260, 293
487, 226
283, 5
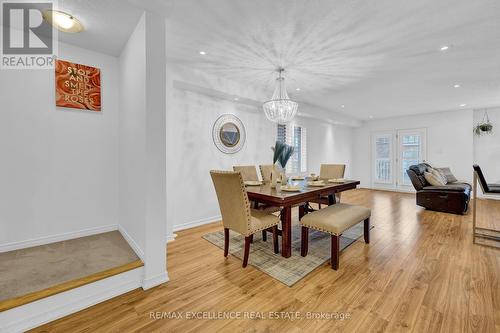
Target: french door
411, 150
393, 152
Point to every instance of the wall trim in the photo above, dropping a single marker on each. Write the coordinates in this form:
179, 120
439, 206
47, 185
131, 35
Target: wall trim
45, 310
171, 237
131, 242
197, 223
154, 281
56, 238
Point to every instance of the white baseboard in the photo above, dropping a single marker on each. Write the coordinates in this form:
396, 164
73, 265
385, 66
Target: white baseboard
171, 237
197, 223
34, 314
154, 281
131, 242
56, 238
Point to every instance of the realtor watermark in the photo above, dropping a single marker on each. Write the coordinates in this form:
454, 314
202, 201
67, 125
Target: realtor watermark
248, 315
28, 41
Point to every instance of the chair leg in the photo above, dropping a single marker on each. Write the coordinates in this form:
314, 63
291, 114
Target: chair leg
264, 235
304, 240
226, 241
367, 231
335, 251
275, 240
248, 240
251, 239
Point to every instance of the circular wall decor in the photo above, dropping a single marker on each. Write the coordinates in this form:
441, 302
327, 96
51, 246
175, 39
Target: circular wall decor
228, 134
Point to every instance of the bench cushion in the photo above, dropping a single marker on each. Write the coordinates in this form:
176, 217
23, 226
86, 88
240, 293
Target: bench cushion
336, 219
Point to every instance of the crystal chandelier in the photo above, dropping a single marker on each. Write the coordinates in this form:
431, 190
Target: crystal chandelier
280, 109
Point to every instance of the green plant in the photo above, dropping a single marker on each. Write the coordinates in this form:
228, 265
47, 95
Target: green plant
282, 153
484, 127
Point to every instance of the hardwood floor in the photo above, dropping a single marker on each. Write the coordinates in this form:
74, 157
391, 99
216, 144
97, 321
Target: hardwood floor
420, 273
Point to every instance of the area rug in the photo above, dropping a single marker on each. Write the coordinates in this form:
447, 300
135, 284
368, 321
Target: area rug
286, 270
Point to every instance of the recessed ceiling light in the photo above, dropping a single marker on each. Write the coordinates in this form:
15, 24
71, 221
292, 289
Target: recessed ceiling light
444, 47
298, 89
462, 105
236, 99
456, 86
63, 21
203, 52
371, 117
342, 106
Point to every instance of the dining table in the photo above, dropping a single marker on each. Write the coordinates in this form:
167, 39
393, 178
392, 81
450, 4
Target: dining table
305, 192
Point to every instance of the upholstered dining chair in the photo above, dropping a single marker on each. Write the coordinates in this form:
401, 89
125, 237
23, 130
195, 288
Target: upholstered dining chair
265, 172
330, 171
237, 215
248, 172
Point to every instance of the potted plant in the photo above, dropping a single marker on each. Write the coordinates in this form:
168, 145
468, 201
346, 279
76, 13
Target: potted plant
282, 153
484, 127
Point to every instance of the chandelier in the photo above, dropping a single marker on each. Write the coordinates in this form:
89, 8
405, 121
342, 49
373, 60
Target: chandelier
280, 109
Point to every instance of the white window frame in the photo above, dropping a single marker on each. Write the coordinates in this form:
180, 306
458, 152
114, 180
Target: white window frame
289, 137
375, 136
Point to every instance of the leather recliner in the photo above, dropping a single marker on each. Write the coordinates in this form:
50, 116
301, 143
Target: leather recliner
450, 198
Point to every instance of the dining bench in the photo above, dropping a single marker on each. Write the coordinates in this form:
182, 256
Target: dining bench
334, 220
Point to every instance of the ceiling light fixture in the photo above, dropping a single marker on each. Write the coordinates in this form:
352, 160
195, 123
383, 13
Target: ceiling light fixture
298, 89
462, 105
456, 86
342, 106
63, 21
444, 47
236, 99
280, 109
203, 52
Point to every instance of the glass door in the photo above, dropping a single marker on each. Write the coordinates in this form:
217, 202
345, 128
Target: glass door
382, 152
411, 150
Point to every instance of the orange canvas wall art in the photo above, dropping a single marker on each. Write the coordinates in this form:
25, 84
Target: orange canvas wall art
78, 86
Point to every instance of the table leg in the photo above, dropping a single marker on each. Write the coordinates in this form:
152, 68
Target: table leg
286, 237
331, 199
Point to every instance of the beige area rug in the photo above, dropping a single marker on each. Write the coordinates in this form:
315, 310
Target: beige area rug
40, 267
286, 270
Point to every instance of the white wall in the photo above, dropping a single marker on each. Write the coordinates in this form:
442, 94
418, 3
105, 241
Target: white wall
449, 141
132, 178
487, 147
191, 153
142, 172
58, 166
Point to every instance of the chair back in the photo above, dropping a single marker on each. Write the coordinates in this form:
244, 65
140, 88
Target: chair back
248, 172
482, 180
233, 200
265, 172
329, 171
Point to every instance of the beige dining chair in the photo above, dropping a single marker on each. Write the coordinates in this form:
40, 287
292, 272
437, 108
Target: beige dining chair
248, 172
330, 171
237, 214
265, 172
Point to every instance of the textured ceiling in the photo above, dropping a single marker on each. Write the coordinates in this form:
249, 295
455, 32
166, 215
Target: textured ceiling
378, 58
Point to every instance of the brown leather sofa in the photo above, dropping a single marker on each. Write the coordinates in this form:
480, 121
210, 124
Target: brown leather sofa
450, 198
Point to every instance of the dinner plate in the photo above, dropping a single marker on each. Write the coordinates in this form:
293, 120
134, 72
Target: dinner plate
290, 188
253, 183
336, 180
318, 183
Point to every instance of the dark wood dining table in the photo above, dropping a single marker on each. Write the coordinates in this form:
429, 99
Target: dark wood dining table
264, 194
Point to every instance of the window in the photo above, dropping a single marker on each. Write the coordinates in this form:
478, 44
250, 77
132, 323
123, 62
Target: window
382, 152
296, 137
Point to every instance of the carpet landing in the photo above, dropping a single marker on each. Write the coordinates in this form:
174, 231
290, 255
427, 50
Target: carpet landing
286, 270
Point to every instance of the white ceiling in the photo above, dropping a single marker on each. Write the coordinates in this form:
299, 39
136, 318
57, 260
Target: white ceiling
378, 58
108, 24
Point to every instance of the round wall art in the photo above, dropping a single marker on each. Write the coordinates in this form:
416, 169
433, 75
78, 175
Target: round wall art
228, 134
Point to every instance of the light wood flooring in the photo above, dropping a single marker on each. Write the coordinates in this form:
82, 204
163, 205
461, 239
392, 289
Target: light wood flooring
420, 273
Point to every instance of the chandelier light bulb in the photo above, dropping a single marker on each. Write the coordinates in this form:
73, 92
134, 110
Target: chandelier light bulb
280, 108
